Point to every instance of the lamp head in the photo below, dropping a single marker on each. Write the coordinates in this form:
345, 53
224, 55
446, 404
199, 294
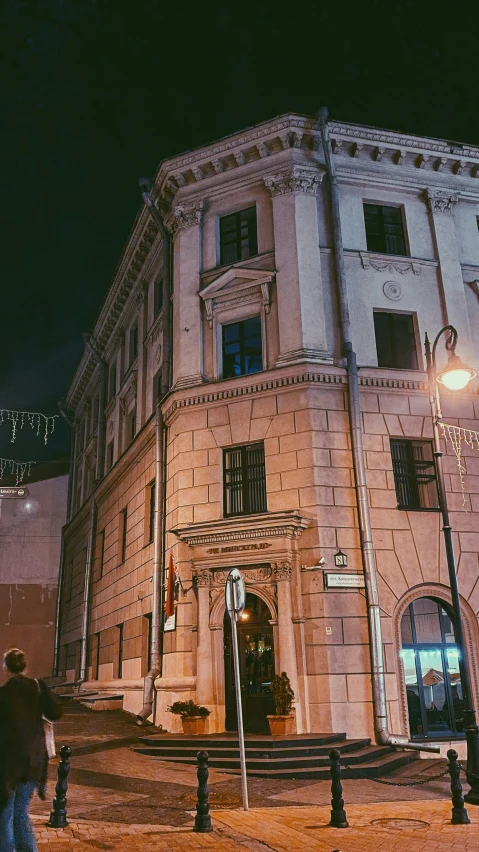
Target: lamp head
456, 374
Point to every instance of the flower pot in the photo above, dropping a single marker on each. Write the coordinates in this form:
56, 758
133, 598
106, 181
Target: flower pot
281, 726
194, 724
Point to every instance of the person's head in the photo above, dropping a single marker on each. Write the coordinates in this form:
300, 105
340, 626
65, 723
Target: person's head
14, 661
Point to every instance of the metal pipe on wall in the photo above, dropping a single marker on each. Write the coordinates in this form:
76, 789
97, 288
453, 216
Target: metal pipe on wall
383, 735
100, 451
159, 527
61, 567
90, 552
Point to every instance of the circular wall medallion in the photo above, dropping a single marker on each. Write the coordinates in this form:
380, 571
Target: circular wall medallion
392, 290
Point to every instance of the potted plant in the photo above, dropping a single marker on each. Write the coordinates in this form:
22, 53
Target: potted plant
282, 723
194, 717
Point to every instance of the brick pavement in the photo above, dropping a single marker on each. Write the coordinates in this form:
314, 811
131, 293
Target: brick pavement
281, 829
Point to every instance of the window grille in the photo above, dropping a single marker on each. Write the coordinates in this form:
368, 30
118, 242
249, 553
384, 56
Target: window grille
244, 480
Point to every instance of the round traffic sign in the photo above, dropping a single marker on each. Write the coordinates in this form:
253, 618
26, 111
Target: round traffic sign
235, 593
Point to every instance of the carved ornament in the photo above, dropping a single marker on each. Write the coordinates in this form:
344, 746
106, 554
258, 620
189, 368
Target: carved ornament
282, 570
255, 575
368, 262
392, 290
185, 216
440, 202
202, 577
474, 285
294, 179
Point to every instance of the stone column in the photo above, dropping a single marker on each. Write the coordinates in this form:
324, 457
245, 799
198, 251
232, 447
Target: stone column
185, 225
440, 205
204, 657
302, 329
287, 651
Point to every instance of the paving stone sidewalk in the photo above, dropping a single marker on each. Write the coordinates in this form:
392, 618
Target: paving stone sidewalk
121, 800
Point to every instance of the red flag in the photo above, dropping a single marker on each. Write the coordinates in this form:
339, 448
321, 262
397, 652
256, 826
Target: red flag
170, 589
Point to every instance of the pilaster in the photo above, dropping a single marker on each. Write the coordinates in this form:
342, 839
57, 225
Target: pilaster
185, 225
282, 572
302, 329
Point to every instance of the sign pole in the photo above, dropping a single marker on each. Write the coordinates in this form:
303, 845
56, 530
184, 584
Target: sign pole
235, 601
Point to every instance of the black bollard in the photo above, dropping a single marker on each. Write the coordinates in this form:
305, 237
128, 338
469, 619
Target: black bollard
202, 818
58, 816
459, 812
338, 814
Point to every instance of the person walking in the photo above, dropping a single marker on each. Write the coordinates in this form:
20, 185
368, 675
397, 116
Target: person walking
23, 754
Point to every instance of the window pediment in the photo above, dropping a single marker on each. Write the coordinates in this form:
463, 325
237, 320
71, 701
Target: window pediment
238, 283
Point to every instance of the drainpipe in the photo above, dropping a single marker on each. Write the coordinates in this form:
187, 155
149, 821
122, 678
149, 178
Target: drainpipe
61, 569
159, 527
383, 735
100, 450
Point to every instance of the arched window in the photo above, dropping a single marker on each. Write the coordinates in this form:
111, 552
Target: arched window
432, 670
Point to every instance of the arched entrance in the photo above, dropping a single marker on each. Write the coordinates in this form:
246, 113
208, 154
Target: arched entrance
256, 655
432, 670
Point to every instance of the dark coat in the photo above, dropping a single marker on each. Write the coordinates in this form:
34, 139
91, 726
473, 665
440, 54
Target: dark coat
23, 755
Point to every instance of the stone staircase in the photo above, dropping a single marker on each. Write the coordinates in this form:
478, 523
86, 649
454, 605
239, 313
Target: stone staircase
302, 756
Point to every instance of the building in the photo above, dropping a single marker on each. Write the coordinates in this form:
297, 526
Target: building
225, 307
31, 520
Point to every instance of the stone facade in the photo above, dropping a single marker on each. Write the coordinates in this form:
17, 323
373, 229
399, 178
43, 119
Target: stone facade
296, 406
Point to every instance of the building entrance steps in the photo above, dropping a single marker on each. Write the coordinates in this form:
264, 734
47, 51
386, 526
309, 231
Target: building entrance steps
304, 756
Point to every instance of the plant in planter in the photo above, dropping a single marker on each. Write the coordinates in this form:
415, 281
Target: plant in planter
194, 717
282, 723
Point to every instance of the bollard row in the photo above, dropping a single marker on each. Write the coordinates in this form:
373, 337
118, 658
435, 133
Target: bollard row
58, 816
202, 818
338, 814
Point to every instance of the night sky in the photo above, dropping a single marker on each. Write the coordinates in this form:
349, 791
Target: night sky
96, 92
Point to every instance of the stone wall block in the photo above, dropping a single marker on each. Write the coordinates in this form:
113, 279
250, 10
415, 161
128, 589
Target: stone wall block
468, 572
218, 416
265, 406
411, 426
393, 425
374, 424
309, 419
339, 516
348, 539
355, 631
206, 512
333, 440
383, 499
340, 476
192, 496
259, 428
341, 458
203, 439
282, 424
281, 462
373, 443
208, 475
425, 527
222, 436
379, 461
240, 417
315, 496
273, 482
368, 401
359, 688
322, 686
291, 443
312, 457
344, 497
338, 421
393, 403
390, 569
376, 479
407, 556
281, 501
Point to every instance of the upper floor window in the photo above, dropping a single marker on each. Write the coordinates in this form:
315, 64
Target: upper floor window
131, 426
384, 229
238, 236
110, 451
151, 510
112, 381
157, 296
122, 530
414, 474
395, 340
242, 350
133, 351
244, 480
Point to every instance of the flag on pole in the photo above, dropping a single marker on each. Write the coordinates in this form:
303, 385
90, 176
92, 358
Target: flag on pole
170, 589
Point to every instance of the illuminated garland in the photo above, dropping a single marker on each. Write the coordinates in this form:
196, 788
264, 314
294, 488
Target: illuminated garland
458, 436
18, 469
44, 423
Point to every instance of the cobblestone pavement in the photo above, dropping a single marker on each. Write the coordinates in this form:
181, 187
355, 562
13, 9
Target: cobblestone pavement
397, 826
121, 800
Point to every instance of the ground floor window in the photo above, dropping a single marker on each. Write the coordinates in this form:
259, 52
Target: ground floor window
432, 670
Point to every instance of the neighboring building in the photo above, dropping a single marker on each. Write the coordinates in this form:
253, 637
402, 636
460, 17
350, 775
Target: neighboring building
259, 471
30, 537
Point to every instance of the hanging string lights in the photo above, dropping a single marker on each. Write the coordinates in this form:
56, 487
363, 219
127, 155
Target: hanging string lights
15, 468
458, 436
42, 423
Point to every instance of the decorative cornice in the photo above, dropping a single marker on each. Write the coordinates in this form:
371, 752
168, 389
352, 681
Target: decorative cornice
273, 524
440, 202
201, 576
294, 179
254, 573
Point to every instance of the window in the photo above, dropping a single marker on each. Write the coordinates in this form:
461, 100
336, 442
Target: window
238, 236
395, 340
432, 671
133, 344
112, 381
122, 533
384, 229
151, 510
414, 474
241, 349
158, 296
131, 426
244, 480
110, 450
100, 553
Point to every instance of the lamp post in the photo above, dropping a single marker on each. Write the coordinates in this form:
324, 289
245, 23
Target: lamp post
455, 376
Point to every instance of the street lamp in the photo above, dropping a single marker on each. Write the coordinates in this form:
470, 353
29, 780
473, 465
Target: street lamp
455, 376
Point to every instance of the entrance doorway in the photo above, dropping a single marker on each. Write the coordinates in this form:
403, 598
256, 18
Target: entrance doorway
256, 656
432, 670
